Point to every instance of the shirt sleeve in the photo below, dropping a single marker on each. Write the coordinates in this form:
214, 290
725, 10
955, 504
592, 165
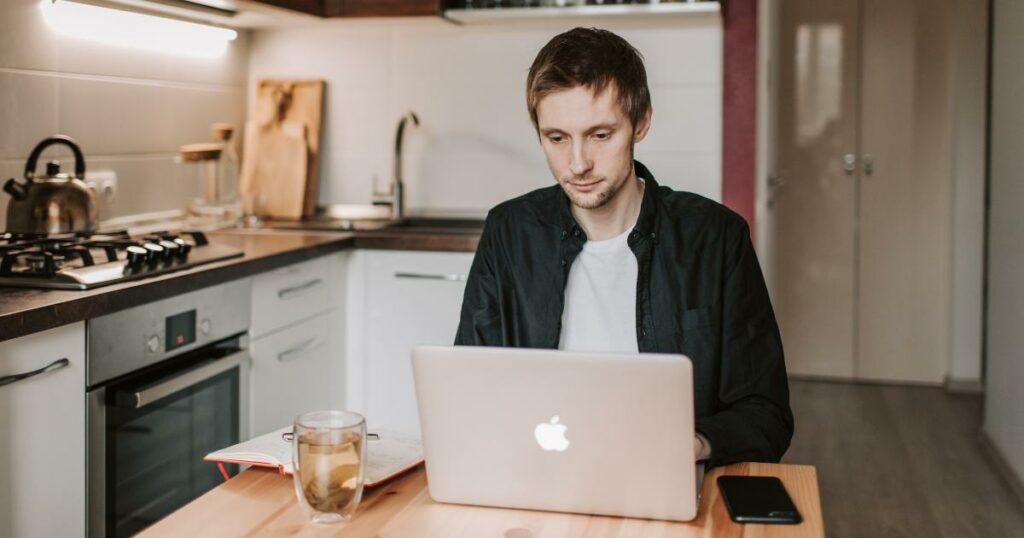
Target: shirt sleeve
480, 318
753, 421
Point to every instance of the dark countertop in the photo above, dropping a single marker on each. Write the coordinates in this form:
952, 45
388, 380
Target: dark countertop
26, 311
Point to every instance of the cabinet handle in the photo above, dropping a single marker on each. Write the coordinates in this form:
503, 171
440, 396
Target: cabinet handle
451, 277
296, 290
292, 353
55, 365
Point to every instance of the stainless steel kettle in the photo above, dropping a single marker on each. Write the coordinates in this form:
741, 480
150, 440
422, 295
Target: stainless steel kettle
54, 202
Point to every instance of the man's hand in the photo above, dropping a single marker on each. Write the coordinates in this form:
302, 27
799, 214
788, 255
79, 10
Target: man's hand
701, 448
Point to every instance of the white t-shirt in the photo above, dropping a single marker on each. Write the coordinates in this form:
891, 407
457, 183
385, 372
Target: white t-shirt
600, 298
600, 303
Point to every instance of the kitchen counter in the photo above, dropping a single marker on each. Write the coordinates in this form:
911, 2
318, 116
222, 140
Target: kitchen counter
25, 311
262, 502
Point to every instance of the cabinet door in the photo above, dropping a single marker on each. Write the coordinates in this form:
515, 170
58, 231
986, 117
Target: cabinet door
412, 298
42, 435
291, 374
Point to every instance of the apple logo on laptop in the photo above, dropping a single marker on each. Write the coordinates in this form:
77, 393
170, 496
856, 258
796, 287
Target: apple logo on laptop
551, 435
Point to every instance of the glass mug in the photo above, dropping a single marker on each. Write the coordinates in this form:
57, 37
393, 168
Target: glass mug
329, 460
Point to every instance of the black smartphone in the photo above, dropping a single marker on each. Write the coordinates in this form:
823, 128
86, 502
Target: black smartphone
757, 499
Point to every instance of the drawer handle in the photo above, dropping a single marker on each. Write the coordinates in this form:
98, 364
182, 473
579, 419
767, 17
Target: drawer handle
295, 352
55, 365
451, 277
297, 290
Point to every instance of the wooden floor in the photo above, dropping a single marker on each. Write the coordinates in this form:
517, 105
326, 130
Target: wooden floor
900, 461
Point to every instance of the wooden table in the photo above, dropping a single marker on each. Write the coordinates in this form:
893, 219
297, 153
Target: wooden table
261, 502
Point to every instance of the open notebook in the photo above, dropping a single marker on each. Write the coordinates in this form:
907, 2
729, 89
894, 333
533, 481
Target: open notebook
388, 455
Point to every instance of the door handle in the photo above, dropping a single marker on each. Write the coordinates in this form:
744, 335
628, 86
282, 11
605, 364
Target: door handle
451, 277
55, 365
869, 164
849, 163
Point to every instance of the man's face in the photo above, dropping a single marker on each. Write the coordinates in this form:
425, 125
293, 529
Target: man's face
588, 141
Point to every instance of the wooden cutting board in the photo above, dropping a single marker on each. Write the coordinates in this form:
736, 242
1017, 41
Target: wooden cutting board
278, 176
270, 165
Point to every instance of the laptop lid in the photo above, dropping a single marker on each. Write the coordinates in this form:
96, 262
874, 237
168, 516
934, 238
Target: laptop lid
592, 433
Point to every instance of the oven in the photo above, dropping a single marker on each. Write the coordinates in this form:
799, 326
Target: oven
168, 383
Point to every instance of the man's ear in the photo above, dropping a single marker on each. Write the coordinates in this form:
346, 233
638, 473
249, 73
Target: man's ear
640, 131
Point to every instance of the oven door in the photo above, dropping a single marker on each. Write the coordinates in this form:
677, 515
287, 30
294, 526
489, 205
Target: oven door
148, 435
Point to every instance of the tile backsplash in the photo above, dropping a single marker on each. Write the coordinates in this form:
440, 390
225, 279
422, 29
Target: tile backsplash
130, 110
476, 146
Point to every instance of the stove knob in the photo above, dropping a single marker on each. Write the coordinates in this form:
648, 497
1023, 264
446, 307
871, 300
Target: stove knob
156, 252
136, 255
153, 343
183, 247
170, 249
204, 327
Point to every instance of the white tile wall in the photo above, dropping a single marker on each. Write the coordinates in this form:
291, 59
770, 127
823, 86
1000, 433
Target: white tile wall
476, 146
130, 110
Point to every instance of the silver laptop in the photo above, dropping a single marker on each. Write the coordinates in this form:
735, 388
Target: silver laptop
591, 433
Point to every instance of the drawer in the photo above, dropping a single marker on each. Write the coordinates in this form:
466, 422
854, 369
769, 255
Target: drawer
290, 374
289, 294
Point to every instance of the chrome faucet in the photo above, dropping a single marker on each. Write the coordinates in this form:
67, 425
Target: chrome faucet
395, 195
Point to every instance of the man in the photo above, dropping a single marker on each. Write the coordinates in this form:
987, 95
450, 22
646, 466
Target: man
608, 260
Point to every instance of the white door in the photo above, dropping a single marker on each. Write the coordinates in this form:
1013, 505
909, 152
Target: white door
814, 210
42, 434
905, 193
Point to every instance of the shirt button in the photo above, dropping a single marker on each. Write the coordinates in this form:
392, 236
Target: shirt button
643, 331
564, 263
564, 234
576, 232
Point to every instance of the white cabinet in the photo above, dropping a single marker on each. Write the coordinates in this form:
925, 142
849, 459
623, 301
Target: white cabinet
397, 300
295, 337
290, 373
42, 435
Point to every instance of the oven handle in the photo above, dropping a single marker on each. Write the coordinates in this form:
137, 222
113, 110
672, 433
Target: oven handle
151, 393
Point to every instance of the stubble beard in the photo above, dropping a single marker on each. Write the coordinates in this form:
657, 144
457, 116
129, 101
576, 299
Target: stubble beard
592, 200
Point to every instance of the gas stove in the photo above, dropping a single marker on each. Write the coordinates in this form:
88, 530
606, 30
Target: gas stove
82, 261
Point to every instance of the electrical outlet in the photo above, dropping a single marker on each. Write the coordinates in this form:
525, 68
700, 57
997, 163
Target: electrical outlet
103, 183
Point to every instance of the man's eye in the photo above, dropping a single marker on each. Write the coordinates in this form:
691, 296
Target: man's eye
555, 139
601, 136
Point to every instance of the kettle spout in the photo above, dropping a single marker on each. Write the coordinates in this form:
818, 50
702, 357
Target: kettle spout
15, 189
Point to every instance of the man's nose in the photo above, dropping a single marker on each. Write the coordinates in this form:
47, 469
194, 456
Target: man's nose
581, 163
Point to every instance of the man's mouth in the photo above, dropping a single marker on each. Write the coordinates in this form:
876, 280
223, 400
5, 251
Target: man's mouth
584, 186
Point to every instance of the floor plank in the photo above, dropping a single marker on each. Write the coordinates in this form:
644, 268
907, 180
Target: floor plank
899, 461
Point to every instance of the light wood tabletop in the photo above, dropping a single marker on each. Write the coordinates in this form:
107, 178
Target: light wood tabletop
261, 502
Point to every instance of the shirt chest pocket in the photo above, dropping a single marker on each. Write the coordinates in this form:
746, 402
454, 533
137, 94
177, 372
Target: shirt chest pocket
695, 319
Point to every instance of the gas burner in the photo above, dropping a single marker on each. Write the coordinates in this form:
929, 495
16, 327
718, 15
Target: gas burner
87, 260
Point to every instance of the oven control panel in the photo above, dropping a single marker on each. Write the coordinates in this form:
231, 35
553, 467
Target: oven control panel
137, 337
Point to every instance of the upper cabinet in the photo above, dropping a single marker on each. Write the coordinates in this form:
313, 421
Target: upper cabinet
361, 8
383, 8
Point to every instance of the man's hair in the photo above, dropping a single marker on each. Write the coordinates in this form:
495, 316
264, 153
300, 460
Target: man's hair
592, 58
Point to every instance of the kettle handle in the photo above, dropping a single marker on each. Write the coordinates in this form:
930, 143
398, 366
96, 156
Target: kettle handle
30, 166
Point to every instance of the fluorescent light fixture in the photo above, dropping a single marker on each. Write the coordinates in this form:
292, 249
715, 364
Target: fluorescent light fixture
136, 30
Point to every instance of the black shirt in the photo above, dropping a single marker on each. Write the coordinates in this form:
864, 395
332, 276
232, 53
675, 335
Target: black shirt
700, 292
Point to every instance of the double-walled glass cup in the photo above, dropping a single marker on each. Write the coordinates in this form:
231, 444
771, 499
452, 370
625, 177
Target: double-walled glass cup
329, 459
